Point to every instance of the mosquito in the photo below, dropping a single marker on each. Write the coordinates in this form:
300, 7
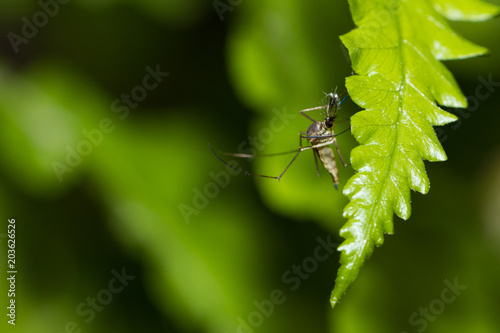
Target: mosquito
320, 135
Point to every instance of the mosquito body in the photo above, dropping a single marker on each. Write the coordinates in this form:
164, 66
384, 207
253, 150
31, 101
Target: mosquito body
317, 135
320, 135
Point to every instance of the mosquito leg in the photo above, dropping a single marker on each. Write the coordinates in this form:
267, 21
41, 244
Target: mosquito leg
333, 136
316, 161
220, 159
289, 164
338, 151
250, 156
301, 136
247, 173
326, 136
319, 145
312, 109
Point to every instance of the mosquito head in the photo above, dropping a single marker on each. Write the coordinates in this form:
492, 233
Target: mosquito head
329, 122
332, 104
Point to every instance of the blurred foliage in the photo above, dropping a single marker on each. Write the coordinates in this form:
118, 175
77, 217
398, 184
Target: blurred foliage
119, 207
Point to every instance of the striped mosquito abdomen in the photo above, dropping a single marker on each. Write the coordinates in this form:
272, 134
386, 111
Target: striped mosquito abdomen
328, 159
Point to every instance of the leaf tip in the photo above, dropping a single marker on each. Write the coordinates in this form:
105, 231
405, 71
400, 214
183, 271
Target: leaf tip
333, 301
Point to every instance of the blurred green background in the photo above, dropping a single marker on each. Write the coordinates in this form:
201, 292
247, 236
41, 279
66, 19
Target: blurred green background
137, 193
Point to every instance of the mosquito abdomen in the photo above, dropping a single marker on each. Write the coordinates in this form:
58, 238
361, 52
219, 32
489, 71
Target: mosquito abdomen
328, 158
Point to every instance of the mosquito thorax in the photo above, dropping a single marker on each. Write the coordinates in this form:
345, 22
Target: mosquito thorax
316, 131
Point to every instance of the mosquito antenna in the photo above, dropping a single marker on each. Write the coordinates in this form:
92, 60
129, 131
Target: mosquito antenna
343, 99
333, 101
348, 128
220, 159
257, 174
337, 105
258, 155
331, 104
341, 121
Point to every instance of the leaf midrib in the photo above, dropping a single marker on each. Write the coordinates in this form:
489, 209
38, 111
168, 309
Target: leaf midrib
390, 167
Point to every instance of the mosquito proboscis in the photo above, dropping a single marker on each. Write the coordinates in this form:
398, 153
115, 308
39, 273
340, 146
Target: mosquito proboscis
320, 135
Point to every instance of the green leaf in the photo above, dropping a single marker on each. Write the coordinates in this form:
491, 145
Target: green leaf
466, 10
396, 51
